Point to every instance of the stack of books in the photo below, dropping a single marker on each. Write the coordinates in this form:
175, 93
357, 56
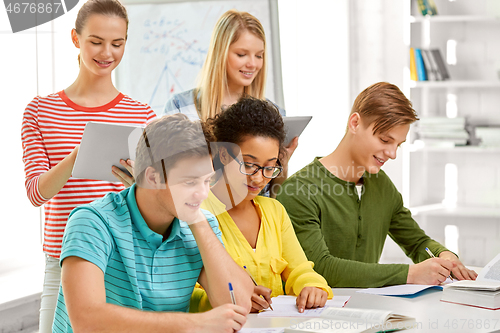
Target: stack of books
490, 136
484, 292
427, 7
427, 65
442, 131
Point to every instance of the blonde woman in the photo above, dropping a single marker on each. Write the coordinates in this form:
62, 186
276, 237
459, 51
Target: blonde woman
236, 65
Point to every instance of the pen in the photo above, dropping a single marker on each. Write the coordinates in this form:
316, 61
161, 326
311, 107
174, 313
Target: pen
231, 292
433, 256
255, 283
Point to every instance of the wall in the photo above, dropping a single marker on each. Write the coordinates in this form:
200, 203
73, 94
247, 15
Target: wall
37, 61
315, 65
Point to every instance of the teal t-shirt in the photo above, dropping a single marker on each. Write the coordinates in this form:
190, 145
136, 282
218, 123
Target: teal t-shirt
141, 271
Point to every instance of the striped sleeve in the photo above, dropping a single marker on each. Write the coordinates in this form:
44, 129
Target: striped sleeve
87, 237
35, 158
151, 114
214, 223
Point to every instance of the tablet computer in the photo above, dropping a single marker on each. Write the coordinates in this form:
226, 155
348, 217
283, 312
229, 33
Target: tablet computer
102, 146
294, 126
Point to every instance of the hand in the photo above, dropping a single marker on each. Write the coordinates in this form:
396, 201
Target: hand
73, 155
75, 150
459, 270
225, 318
311, 297
259, 303
431, 271
122, 176
290, 149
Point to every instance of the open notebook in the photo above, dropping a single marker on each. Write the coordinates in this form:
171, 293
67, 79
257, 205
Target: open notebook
344, 320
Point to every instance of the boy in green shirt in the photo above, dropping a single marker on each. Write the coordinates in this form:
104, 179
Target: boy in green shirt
343, 206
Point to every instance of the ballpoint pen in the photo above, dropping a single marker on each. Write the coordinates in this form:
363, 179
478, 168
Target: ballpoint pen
255, 283
231, 292
433, 256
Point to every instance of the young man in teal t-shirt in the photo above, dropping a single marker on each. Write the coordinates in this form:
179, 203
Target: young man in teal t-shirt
130, 260
343, 206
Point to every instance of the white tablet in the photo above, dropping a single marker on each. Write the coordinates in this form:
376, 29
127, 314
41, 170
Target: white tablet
102, 146
294, 126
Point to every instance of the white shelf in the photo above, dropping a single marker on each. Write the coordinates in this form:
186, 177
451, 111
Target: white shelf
441, 210
459, 149
453, 18
456, 84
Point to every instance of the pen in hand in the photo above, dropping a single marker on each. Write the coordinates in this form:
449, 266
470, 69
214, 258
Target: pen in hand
433, 256
255, 283
231, 292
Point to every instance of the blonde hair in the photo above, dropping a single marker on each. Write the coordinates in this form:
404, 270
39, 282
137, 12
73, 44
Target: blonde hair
212, 82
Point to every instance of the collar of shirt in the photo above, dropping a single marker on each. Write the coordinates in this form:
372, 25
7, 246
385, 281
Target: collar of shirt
154, 239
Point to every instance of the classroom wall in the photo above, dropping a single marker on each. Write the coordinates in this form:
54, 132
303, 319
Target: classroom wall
38, 61
315, 65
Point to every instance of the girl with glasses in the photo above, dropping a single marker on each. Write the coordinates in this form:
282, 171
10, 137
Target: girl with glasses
256, 230
236, 64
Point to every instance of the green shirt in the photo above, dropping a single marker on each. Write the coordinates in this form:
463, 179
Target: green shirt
344, 235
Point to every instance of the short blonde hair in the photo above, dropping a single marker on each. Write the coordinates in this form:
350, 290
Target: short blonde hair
212, 83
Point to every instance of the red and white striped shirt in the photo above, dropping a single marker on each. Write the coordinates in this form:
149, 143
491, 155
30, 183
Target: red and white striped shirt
52, 127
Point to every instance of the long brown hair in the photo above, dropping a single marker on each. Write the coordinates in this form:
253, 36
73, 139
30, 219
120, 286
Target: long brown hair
101, 7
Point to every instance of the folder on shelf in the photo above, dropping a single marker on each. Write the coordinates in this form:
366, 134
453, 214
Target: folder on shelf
413, 65
431, 7
431, 69
419, 62
427, 7
438, 59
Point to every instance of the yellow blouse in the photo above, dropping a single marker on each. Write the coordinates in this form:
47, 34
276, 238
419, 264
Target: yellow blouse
278, 255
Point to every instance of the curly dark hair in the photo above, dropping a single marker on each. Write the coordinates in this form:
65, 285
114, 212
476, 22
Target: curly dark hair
248, 117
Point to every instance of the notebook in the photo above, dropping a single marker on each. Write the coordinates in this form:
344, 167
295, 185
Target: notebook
333, 320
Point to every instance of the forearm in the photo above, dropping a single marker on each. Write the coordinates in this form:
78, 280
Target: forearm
52, 181
354, 274
221, 269
113, 318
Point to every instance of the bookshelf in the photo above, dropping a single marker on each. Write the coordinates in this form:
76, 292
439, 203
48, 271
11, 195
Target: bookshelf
457, 186
453, 18
454, 84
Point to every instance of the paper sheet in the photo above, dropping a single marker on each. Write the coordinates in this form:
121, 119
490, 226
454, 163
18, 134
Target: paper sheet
491, 272
400, 290
285, 306
262, 330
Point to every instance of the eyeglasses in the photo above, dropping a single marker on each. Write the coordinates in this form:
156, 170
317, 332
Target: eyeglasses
251, 169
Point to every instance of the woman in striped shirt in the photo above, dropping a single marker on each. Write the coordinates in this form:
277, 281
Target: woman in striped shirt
52, 130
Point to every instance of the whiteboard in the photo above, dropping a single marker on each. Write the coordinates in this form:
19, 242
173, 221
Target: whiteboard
168, 43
